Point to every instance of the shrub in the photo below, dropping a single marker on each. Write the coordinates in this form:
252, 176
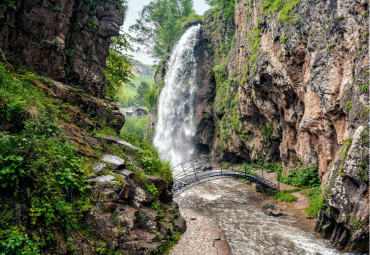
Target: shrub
357, 224
301, 176
135, 125
364, 88
348, 105
148, 156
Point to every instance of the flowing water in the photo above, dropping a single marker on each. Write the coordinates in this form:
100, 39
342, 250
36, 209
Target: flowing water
247, 229
176, 128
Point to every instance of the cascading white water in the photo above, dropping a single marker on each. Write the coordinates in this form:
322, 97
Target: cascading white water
176, 128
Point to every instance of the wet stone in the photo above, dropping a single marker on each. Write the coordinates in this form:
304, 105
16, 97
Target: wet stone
115, 162
119, 141
102, 179
99, 166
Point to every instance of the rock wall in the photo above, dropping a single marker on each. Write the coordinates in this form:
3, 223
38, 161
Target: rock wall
290, 84
67, 40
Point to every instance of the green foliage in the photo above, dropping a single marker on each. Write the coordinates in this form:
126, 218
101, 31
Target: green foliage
151, 97
364, 88
248, 170
317, 202
142, 90
276, 167
173, 239
152, 190
284, 8
136, 125
348, 105
119, 66
37, 164
192, 19
148, 157
358, 224
159, 25
11, 4
346, 146
11, 172
283, 40
15, 241
330, 48
284, 196
301, 176
228, 7
69, 53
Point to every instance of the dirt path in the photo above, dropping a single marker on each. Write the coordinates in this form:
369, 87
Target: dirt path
202, 237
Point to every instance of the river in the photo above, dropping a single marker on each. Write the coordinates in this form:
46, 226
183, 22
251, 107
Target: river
246, 228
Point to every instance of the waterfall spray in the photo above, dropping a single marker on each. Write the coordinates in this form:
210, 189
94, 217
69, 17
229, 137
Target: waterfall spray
176, 127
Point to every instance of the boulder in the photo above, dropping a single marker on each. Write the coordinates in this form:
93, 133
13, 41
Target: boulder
271, 210
115, 162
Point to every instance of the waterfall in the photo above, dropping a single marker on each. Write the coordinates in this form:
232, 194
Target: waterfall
176, 127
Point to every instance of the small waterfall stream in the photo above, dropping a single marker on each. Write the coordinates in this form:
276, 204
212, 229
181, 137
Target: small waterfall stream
176, 125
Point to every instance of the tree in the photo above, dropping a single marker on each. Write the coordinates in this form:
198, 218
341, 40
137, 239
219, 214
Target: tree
119, 66
159, 25
142, 90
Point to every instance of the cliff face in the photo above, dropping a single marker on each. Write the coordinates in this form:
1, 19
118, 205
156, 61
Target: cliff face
65, 39
290, 83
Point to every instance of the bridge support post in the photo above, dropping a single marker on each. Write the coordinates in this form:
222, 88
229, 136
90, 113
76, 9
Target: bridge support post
196, 176
183, 169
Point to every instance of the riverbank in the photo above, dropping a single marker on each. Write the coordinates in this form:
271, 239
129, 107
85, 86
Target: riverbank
294, 209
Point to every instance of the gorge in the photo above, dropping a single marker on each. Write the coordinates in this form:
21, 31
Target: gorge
275, 84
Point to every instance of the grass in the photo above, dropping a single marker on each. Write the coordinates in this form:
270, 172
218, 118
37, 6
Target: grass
284, 196
317, 202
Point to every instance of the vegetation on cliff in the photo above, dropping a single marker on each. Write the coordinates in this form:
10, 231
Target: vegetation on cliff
44, 189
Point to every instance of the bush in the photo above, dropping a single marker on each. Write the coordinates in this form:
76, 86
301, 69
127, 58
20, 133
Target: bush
149, 158
135, 125
301, 176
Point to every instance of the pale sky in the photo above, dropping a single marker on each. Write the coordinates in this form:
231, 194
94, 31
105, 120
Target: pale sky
135, 6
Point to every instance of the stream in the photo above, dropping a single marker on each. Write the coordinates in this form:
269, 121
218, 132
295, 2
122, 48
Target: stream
247, 229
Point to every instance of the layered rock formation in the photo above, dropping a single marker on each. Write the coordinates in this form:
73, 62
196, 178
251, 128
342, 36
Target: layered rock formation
288, 81
67, 39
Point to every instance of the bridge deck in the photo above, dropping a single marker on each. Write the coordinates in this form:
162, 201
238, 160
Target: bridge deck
193, 177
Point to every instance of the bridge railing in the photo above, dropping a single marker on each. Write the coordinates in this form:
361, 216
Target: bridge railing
191, 167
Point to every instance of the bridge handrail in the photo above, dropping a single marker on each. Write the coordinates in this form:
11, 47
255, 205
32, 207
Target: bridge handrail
191, 168
189, 161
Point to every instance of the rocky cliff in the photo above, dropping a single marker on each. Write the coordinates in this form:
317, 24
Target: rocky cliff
288, 81
66, 39
66, 187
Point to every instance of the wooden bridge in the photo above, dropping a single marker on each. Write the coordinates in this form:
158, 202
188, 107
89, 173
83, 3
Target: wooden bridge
195, 172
